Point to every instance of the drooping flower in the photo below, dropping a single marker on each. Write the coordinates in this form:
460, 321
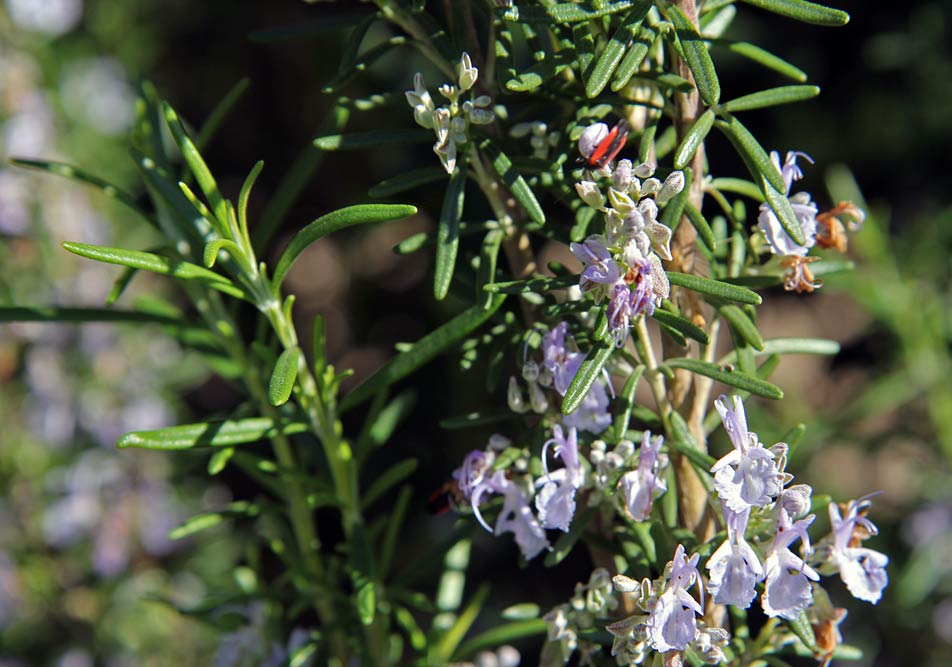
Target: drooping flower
469, 476
600, 267
672, 624
831, 228
593, 414
749, 475
803, 207
555, 501
787, 590
862, 570
735, 568
641, 486
515, 516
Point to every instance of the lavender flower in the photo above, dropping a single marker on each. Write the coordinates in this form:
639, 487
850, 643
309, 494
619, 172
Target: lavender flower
803, 206
735, 568
515, 517
672, 624
862, 570
641, 486
600, 267
749, 475
592, 415
787, 591
555, 501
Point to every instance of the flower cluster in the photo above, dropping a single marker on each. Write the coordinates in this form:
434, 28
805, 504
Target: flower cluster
591, 601
450, 122
624, 263
825, 230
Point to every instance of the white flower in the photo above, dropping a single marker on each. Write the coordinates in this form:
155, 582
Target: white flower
555, 501
515, 517
803, 207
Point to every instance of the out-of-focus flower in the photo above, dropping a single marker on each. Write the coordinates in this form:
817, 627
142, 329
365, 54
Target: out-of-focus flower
96, 92
641, 486
803, 207
51, 17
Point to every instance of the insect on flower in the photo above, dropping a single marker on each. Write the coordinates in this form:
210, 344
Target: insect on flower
607, 147
445, 498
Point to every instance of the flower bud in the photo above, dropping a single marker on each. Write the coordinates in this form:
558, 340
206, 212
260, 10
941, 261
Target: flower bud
621, 177
481, 116
645, 169
590, 194
499, 442
514, 397
620, 201
624, 584
537, 398
591, 137
673, 185
650, 186
530, 371
625, 449
467, 73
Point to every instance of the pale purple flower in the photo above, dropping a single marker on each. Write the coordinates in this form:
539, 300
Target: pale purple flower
555, 501
592, 415
862, 570
476, 465
672, 624
642, 485
748, 476
619, 313
735, 568
803, 207
787, 591
558, 360
600, 266
515, 517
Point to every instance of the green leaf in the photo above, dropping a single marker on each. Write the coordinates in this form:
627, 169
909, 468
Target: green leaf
781, 206
454, 635
389, 479
801, 10
803, 630
76, 174
283, 376
447, 233
371, 139
770, 98
531, 285
540, 72
205, 520
210, 434
587, 373
196, 164
332, 222
627, 402
693, 138
584, 43
408, 180
756, 158
422, 351
83, 315
738, 186
349, 70
514, 181
792, 346
471, 419
732, 378
704, 231
762, 57
683, 326
385, 422
615, 49
219, 460
243, 195
565, 12
635, 55
366, 599
696, 56
220, 112
714, 288
743, 328
156, 263
489, 253
212, 248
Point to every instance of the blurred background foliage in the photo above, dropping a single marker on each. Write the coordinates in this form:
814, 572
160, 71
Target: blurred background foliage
88, 575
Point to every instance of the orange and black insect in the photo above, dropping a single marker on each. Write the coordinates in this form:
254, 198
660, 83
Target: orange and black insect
609, 147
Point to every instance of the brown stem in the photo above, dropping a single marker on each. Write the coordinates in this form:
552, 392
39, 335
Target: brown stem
692, 497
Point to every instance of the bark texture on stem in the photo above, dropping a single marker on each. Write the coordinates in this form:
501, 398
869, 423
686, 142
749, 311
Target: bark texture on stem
692, 497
